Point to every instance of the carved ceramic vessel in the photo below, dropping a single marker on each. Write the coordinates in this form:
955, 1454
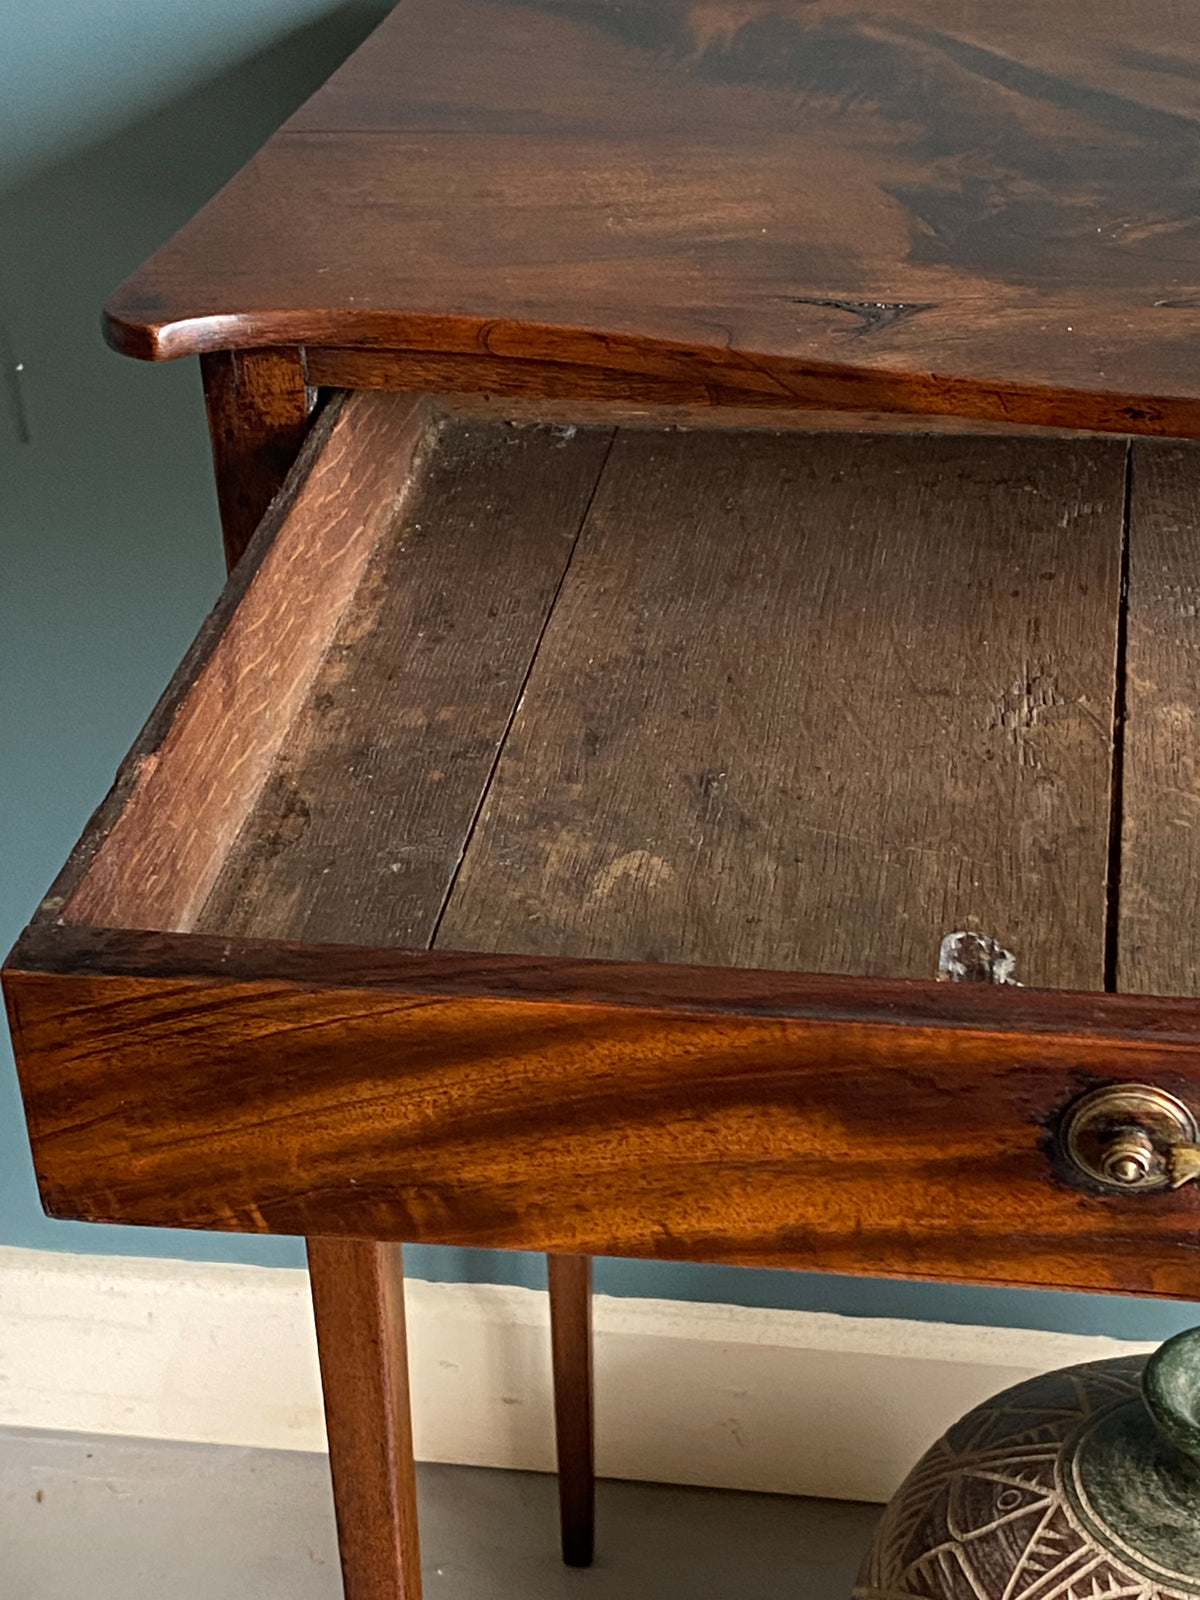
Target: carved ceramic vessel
1078, 1485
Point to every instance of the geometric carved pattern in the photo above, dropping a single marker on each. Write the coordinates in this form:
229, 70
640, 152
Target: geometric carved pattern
984, 1515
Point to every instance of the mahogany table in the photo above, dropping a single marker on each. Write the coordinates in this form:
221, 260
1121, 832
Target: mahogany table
701, 573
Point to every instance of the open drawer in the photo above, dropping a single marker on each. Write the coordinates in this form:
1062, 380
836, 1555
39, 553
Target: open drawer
553, 836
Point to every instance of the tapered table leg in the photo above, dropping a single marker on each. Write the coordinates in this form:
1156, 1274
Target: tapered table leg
571, 1342
358, 1300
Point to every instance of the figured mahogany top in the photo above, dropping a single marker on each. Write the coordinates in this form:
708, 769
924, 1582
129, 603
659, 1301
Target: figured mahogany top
994, 207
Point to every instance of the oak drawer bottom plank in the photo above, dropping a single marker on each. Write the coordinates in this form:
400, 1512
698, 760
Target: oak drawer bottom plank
358, 832
812, 703
1160, 851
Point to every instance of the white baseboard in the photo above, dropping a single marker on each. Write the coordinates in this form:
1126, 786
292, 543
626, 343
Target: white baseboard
792, 1402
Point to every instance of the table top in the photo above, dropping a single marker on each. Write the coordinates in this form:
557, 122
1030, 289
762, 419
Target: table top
956, 205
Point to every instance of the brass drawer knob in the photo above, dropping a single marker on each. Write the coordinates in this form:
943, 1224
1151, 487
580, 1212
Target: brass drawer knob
1131, 1137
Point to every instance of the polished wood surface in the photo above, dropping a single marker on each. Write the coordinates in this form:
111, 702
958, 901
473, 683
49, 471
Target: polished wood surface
358, 1302
837, 1124
570, 1285
924, 205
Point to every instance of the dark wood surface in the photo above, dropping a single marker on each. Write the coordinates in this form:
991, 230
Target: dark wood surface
812, 704
258, 404
580, 411
360, 829
570, 1285
1160, 859
930, 205
839, 1124
358, 1302
866, 694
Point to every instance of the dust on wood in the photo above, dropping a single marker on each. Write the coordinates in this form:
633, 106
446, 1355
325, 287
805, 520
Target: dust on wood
809, 702
360, 827
1159, 902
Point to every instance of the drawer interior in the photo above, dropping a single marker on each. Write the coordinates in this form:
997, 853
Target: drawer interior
554, 835
800, 701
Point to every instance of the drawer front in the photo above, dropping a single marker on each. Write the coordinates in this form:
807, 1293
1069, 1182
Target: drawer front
843, 1125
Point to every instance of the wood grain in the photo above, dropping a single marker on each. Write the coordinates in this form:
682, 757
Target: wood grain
359, 831
258, 404
1160, 855
570, 1284
939, 205
617, 370
577, 412
814, 703
358, 1301
189, 781
839, 1124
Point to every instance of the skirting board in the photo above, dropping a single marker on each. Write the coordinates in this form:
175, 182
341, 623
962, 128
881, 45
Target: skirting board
791, 1402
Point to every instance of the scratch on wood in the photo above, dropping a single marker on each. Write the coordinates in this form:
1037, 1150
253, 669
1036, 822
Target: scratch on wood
975, 958
872, 314
1018, 711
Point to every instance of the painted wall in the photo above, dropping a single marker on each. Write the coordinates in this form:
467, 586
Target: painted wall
109, 550
76, 70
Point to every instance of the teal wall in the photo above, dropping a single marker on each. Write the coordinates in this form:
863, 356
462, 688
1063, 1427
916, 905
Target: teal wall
75, 70
109, 549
